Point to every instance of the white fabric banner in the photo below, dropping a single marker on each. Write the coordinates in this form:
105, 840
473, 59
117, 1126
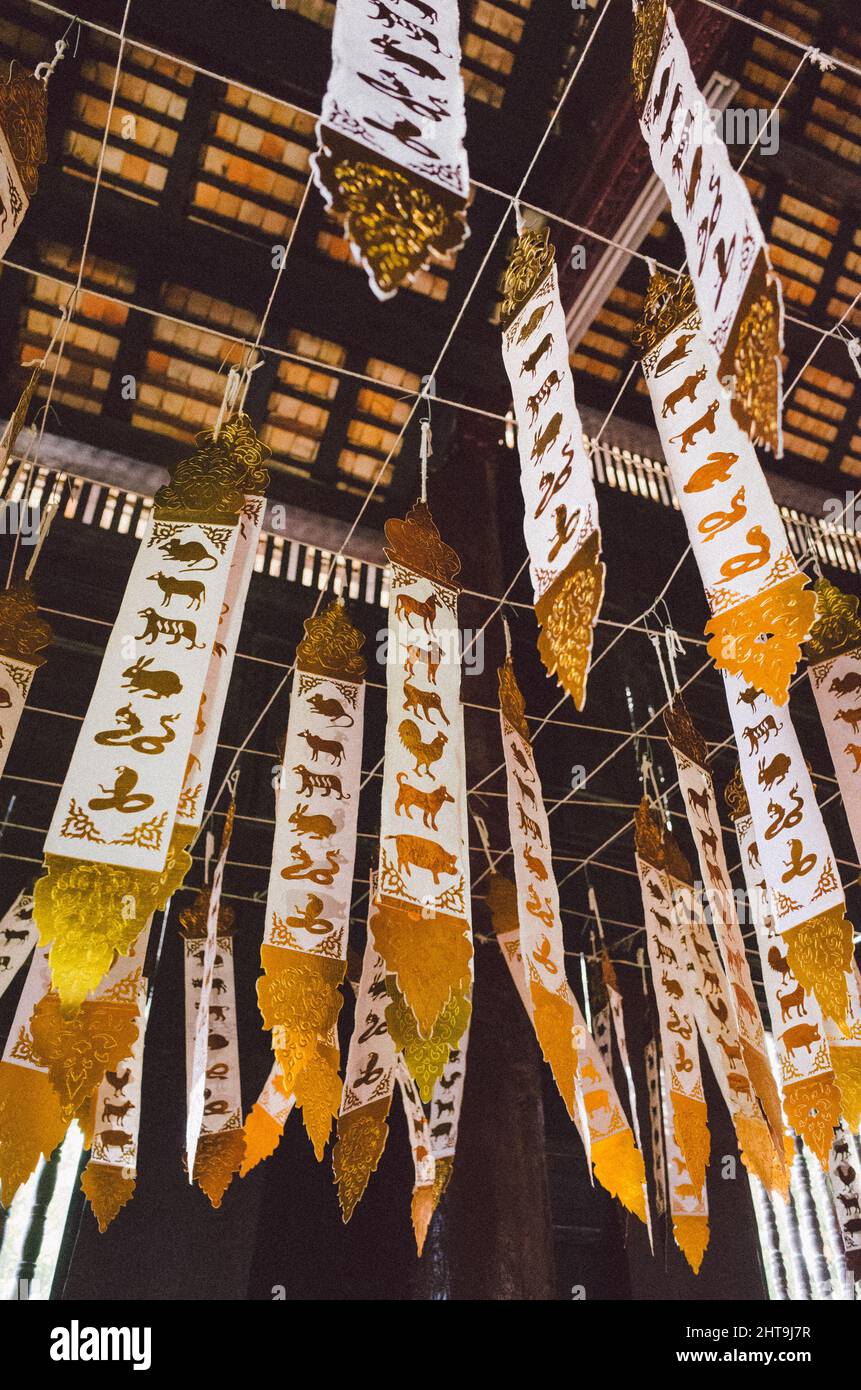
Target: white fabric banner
208, 725
13, 200
221, 1095
740, 299
18, 936
16, 677
201, 994
119, 797
836, 687
118, 1104
18, 1048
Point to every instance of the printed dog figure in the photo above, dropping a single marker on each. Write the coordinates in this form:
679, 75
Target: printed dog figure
429, 803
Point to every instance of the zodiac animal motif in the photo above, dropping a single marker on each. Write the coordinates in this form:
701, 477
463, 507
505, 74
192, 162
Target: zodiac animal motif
413, 851
794, 1000
852, 717
686, 392
333, 750
655, 891
700, 800
309, 918
431, 656
783, 818
564, 528
174, 629
549, 484
323, 782
846, 1173
711, 982
535, 402
319, 827
389, 18
531, 362
679, 1025
841, 1148
716, 470
408, 607
708, 840
798, 864
717, 522
13, 934
115, 1139
191, 554
303, 866
744, 1003
548, 436
774, 773
676, 354
738, 1083
853, 750
750, 696
122, 796
332, 710
706, 423
542, 909
682, 1061
596, 1100
761, 732
673, 987
429, 803
731, 1051
534, 865
425, 754
153, 685
849, 684
193, 590
778, 962
215, 1042
529, 826
413, 62
423, 702
115, 1112
535, 319
526, 791
666, 953
801, 1035
849, 1204
5, 698
719, 1009
118, 1080
750, 559
130, 732
753, 855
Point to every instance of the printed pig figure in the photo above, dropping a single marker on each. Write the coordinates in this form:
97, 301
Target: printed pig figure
423, 854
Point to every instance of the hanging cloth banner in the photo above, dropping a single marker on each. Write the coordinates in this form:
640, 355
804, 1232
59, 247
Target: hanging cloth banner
811, 1099
423, 926
561, 509
265, 1121
31, 1121
304, 951
369, 1083
761, 610
833, 653
115, 851
78, 1049
23, 634
736, 289
109, 1179
220, 1146
390, 161
652, 1061
18, 936
665, 881
846, 1193
200, 997
23, 147
714, 1010
528, 927
743, 1018
427, 1188
798, 863
204, 743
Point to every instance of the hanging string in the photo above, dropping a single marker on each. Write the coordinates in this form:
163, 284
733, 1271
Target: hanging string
814, 557
425, 450
507, 630
656, 639
593, 908
232, 387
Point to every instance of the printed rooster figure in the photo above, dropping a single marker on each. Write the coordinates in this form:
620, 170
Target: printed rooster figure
565, 528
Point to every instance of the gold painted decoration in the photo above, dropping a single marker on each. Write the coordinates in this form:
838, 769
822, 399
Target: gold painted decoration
761, 609
109, 1179
667, 908
31, 1118
23, 148
369, 1083
264, 1123
561, 509
23, 637
834, 667
739, 1034
215, 1144
738, 294
422, 920
304, 952
112, 850
798, 864
390, 160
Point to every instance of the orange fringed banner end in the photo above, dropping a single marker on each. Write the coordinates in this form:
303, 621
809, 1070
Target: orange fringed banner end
819, 952
218, 1160
362, 1138
619, 1168
692, 1238
429, 958
107, 1189
760, 639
